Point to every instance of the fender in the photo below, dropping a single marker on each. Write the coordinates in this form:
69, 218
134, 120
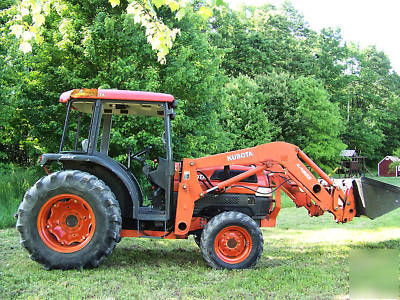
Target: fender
127, 178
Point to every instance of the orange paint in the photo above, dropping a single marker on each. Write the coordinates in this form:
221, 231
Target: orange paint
233, 244
66, 223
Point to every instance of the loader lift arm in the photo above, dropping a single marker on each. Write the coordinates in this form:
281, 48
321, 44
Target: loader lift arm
284, 158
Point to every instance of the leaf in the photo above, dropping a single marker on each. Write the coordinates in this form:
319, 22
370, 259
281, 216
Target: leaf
25, 47
205, 12
38, 19
220, 3
24, 11
180, 14
173, 5
17, 30
114, 3
158, 3
27, 35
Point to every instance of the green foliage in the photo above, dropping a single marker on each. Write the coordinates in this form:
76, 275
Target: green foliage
14, 181
243, 78
31, 17
395, 164
114, 54
275, 48
245, 115
17, 143
313, 112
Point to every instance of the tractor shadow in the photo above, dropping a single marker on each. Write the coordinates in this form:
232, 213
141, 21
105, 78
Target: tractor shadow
183, 253
156, 254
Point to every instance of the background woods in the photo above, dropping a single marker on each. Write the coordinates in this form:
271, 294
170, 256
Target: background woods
242, 77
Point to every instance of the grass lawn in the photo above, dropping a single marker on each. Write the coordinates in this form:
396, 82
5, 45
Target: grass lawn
304, 258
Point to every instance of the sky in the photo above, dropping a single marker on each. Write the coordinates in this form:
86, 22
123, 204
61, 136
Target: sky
365, 22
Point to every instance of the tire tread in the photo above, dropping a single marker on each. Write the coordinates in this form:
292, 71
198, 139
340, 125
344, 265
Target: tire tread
208, 234
82, 181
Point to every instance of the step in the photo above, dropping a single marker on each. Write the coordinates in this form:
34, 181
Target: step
151, 214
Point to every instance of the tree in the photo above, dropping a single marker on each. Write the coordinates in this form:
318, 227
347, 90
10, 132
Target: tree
31, 16
105, 48
372, 121
17, 143
317, 121
245, 114
258, 41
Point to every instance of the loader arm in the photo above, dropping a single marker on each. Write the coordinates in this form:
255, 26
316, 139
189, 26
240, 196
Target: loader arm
280, 158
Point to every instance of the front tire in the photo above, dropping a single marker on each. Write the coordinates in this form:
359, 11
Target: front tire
231, 240
69, 219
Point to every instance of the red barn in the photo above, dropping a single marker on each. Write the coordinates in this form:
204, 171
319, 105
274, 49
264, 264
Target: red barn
384, 164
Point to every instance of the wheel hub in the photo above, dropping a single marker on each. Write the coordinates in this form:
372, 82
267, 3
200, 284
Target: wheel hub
233, 244
66, 223
71, 221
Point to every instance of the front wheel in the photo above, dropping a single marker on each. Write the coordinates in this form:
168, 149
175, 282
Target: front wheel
69, 219
231, 240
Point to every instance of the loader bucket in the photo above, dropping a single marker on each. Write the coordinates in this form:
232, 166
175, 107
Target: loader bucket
375, 198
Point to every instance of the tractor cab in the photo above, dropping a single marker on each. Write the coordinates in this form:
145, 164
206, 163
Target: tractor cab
86, 148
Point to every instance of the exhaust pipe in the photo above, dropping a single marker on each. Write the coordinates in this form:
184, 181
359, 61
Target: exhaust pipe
374, 198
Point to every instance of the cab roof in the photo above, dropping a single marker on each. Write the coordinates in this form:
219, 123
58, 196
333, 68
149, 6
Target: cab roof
114, 95
121, 102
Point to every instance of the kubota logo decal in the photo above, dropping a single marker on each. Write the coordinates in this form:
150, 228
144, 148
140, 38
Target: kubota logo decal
305, 173
239, 155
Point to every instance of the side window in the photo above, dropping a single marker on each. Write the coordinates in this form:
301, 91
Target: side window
77, 131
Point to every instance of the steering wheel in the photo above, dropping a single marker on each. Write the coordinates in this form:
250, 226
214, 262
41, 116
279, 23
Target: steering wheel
141, 155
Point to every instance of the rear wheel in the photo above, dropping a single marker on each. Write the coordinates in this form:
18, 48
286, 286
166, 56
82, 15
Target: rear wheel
69, 219
231, 240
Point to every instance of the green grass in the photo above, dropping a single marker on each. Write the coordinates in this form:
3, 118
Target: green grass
14, 181
304, 258
390, 180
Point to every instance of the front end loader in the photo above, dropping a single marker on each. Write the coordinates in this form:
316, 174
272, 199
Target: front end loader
75, 216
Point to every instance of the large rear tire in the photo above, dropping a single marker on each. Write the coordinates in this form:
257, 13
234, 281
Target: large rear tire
231, 240
68, 220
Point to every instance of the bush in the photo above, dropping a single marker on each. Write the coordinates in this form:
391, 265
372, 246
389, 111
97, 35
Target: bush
14, 181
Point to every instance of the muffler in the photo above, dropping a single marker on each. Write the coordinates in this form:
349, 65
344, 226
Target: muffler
375, 198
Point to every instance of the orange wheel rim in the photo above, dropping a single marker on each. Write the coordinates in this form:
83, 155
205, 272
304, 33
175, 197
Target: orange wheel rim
233, 244
66, 223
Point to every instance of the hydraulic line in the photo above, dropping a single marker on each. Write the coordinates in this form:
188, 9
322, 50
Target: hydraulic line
253, 190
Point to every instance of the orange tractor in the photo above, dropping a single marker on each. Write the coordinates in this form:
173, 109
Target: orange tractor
74, 217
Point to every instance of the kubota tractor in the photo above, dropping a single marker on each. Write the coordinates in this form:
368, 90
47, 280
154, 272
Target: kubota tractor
74, 217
